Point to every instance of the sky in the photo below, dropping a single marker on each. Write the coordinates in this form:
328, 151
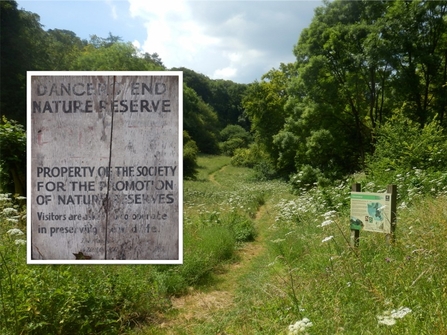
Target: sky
232, 40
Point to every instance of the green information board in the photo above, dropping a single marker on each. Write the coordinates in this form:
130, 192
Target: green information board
371, 212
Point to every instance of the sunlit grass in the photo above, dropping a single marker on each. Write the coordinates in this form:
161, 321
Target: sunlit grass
307, 270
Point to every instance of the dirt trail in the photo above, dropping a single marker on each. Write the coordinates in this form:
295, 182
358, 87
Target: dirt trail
212, 176
200, 306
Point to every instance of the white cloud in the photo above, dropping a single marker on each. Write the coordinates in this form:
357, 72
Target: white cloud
113, 9
172, 32
237, 40
225, 73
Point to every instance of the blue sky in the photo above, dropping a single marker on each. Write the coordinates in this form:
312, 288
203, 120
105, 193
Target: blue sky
234, 40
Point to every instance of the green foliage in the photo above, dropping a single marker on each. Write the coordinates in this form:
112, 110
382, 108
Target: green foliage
63, 49
13, 157
233, 137
248, 157
113, 56
205, 247
53, 299
401, 145
321, 274
356, 63
190, 151
200, 121
224, 96
410, 156
20, 30
264, 106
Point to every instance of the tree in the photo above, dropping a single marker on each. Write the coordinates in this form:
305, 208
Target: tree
118, 56
64, 47
264, 103
359, 63
23, 48
417, 35
190, 152
226, 99
233, 137
200, 121
13, 157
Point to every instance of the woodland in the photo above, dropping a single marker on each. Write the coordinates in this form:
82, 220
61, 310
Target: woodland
360, 65
365, 101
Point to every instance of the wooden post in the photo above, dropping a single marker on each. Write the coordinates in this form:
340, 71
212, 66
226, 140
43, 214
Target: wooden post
391, 237
355, 234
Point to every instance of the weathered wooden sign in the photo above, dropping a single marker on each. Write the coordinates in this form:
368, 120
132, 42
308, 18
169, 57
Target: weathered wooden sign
105, 167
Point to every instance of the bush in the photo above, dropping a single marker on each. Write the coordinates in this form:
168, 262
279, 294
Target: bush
13, 157
233, 137
190, 152
405, 151
402, 145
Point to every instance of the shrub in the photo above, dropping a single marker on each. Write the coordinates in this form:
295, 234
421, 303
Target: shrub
13, 157
190, 151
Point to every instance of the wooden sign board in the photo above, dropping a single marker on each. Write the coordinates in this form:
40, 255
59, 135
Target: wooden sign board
105, 167
371, 211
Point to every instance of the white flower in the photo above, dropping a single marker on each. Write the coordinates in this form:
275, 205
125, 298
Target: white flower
329, 214
403, 205
386, 320
20, 242
14, 231
9, 211
400, 313
300, 326
326, 223
389, 318
327, 239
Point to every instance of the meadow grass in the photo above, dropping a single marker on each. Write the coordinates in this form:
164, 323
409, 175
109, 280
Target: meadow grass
307, 279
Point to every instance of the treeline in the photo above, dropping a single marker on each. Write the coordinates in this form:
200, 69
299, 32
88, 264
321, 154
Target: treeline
363, 69
361, 66
209, 105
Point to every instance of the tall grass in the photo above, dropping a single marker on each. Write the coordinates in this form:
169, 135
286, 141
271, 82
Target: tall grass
309, 277
60, 299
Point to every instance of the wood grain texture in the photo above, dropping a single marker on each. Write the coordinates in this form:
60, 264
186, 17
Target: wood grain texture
105, 167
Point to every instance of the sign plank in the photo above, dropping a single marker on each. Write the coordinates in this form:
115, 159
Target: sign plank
105, 167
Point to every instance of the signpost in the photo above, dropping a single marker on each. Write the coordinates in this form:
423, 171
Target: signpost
105, 167
374, 212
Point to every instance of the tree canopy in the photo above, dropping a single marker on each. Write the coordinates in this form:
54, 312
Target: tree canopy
358, 64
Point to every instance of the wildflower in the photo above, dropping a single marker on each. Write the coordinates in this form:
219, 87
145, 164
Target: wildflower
326, 223
389, 318
400, 313
20, 242
9, 211
14, 231
300, 326
403, 205
327, 239
386, 320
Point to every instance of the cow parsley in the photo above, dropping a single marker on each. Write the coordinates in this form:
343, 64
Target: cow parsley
300, 326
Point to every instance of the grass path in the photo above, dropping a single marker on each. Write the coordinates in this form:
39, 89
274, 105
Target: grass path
201, 306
